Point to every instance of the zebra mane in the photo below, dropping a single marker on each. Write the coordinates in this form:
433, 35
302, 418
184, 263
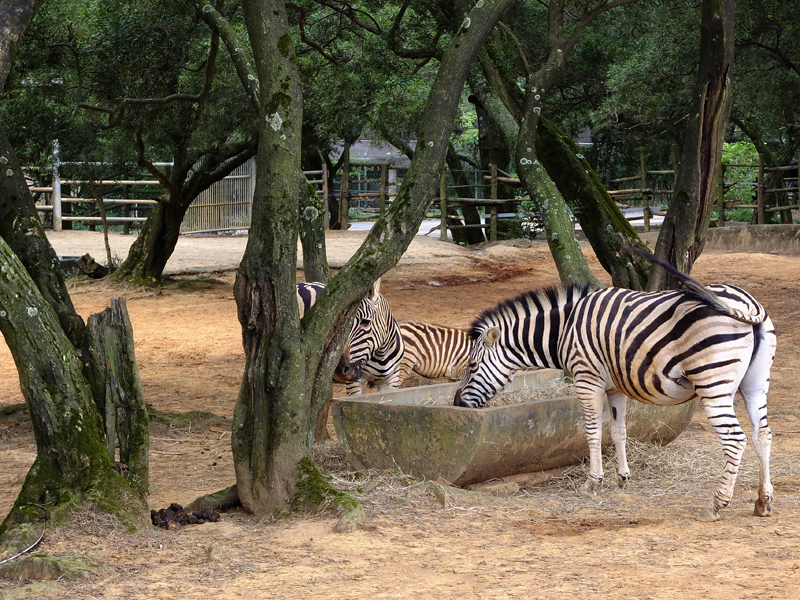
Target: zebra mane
547, 297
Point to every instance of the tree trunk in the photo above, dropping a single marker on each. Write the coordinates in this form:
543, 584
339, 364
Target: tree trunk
72, 463
685, 226
494, 150
604, 225
22, 230
47, 340
14, 17
288, 368
470, 211
312, 234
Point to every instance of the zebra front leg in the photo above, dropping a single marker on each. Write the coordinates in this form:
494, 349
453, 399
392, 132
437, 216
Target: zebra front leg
720, 414
618, 403
592, 405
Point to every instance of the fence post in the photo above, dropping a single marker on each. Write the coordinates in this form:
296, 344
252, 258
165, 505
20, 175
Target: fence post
55, 195
326, 196
760, 190
384, 170
251, 191
645, 195
443, 207
493, 224
344, 192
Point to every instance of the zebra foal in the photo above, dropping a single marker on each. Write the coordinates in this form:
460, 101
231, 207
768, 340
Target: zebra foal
374, 346
662, 348
434, 351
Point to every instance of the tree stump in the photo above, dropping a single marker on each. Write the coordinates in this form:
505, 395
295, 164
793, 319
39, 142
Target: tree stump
117, 390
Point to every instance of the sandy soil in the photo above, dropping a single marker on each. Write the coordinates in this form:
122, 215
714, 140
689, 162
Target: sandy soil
541, 543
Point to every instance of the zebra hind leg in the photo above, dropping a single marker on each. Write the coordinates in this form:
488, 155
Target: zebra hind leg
754, 388
719, 411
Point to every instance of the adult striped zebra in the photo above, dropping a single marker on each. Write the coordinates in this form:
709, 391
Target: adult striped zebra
374, 345
662, 348
434, 351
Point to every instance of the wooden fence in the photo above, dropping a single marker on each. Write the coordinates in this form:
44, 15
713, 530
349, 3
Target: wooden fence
225, 206
765, 200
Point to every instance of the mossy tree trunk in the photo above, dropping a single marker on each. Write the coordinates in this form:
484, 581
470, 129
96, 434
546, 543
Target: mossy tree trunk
72, 464
683, 233
527, 109
312, 234
606, 228
48, 342
22, 230
289, 364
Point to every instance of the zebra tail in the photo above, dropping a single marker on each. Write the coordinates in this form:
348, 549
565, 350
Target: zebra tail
698, 290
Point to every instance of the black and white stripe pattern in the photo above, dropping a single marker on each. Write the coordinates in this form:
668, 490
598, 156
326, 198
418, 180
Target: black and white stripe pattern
663, 348
374, 346
434, 351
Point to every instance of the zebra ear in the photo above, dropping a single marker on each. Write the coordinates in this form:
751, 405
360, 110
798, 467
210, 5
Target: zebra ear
492, 335
375, 289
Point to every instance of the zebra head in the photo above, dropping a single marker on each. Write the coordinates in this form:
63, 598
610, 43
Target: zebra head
486, 372
367, 334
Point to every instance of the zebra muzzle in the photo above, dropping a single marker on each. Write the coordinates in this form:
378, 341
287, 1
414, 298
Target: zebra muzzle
347, 371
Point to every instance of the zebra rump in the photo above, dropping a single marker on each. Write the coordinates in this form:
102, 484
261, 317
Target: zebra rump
434, 351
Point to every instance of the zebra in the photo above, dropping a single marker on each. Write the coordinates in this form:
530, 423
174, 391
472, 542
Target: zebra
661, 348
374, 345
434, 351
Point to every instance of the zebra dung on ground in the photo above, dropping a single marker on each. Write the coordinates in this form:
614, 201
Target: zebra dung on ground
662, 348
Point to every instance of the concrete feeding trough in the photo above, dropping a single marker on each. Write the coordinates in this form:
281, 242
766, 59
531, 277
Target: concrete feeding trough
411, 430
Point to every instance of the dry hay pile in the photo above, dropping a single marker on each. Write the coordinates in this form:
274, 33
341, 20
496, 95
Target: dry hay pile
683, 474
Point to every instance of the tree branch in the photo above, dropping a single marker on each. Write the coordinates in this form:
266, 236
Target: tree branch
151, 168
241, 58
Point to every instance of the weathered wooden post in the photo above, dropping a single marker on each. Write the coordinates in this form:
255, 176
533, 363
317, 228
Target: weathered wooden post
344, 191
326, 194
645, 192
493, 212
384, 172
55, 195
760, 191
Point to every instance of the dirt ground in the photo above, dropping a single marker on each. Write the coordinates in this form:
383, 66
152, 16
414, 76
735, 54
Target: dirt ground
545, 542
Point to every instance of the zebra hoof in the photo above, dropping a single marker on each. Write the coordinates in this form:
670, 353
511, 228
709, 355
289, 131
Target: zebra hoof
762, 508
708, 515
622, 482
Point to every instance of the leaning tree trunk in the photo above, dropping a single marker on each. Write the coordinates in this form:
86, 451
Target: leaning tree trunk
683, 233
22, 230
72, 463
603, 223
